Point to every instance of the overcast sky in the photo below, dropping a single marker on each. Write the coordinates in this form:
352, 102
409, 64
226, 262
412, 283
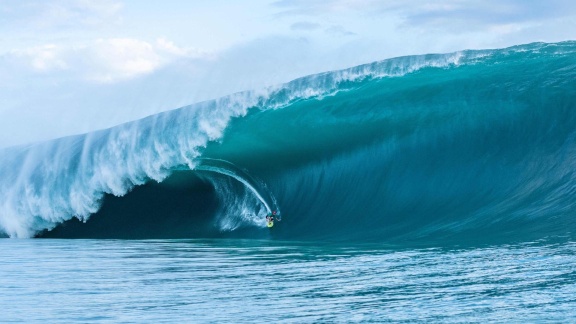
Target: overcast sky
72, 66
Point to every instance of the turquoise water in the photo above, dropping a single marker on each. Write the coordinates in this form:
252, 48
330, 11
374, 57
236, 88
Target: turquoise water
169, 281
422, 188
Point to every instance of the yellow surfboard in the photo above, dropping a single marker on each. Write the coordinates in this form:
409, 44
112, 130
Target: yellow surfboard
270, 223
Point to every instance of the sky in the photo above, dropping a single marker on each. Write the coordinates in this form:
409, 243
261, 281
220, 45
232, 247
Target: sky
74, 66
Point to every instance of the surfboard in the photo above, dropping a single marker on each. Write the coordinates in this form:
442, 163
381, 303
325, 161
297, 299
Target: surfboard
270, 223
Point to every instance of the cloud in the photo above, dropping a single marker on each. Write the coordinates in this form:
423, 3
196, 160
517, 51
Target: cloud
339, 30
504, 15
39, 14
101, 60
451, 15
304, 26
316, 7
43, 58
109, 60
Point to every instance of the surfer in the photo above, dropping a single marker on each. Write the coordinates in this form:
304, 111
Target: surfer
270, 218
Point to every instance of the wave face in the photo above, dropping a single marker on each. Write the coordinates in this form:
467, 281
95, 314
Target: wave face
469, 146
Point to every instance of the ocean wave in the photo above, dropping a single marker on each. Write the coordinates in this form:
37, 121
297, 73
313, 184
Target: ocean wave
412, 147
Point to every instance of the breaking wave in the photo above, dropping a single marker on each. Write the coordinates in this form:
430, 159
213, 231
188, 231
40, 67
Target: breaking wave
473, 145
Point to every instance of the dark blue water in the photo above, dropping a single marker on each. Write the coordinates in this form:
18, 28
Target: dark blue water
433, 188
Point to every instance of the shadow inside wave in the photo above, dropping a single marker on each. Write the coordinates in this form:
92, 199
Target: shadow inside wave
182, 206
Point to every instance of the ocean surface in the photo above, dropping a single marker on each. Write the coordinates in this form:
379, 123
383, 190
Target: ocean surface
425, 188
223, 280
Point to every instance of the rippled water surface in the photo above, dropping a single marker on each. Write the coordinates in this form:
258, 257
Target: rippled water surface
249, 281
